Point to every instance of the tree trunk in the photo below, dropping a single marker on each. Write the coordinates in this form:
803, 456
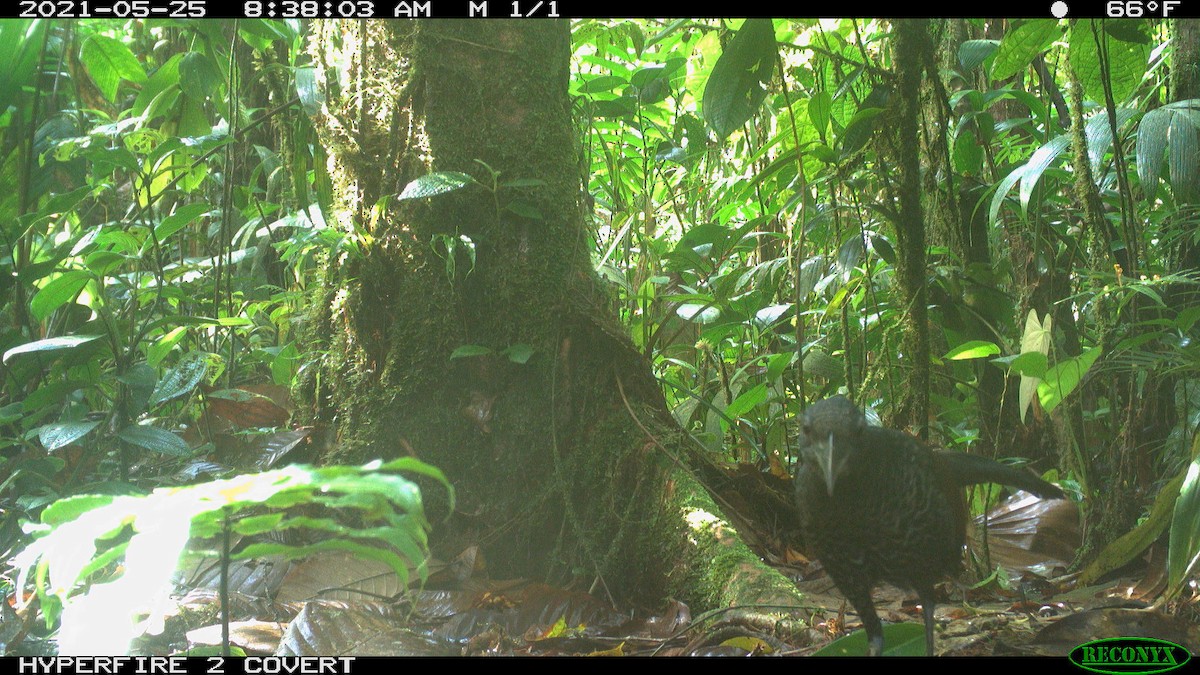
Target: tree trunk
553, 432
911, 47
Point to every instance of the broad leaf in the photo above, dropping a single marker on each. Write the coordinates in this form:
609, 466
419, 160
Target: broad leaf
109, 61
155, 440
736, 88
436, 183
1021, 44
55, 436
976, 349
58, 292
64, 343
1063, 378
181, 379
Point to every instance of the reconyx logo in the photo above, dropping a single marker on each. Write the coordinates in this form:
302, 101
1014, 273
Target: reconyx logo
1121, 656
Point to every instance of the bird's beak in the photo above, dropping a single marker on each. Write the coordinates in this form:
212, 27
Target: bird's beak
825, 459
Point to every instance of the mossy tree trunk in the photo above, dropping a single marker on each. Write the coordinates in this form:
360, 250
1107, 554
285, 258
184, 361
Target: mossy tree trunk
911, 47
561, 461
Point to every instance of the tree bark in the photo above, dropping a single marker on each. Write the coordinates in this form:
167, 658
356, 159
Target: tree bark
566, 464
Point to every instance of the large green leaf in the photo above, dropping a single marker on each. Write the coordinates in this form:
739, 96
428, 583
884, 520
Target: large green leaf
109, 61
55, 436
972, 53
1021, 44
308, 88
1166, 129
57, 344
436, 183
1098, 131
20, 47
178, 220
155, 440
1182, 166
1126, 61
899, 639
1037, 165
1183, 550
1063, 378
975, 349
161, 91
58, 292
818, 112
1035, 339
746, 402
736, 88
141, 380
199, 76
181, 379
75, 541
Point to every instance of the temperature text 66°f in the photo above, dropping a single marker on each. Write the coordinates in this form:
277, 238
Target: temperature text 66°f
1134, 9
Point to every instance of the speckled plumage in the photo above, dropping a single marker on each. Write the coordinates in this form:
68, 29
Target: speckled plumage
879, 505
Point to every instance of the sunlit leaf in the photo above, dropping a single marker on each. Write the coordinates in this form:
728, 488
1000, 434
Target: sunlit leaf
976, 349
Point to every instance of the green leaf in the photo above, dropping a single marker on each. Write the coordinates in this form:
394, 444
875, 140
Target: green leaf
972, 53
56, 344
899, 639
432, 184
1035, 339
1032, 364
1021, 44
140, 379
968, 154
181, 379
199, 76
1127, 62
178, 220
1183, 549
259, 524
736, 88
859, 130
601, 83
1001, 194
1063, 378
747, 401
976, 349
470, 350
58, 292
1182, 167
70, 508
518, 353
1098, 131
109, 61
284, 364
698, 313
161, 91
818, 111
55, 436
155, 440
1038, 162
308, 88
770, 314
21, 45
158, 351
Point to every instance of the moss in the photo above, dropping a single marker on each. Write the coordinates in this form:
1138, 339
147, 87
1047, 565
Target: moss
714, 568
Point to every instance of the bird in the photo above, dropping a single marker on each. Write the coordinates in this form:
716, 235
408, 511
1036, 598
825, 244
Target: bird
879, 505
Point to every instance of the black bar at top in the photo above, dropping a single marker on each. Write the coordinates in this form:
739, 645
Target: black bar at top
584, 9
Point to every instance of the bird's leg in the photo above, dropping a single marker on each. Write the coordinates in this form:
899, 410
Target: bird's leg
871, 624
927, 603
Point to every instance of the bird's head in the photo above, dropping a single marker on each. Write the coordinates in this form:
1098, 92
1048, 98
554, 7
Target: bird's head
832, 432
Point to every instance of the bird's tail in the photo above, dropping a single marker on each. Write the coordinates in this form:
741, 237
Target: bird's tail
966, 470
